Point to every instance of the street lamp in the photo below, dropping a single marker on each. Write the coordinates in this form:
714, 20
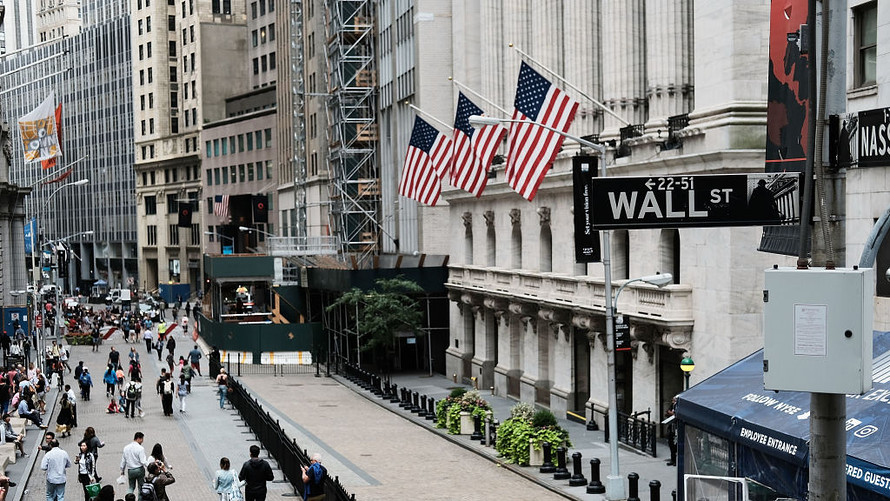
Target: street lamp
614, 483
686, 365
245, 228
35, 272
220, 235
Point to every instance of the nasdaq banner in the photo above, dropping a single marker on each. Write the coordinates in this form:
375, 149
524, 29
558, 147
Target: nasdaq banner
695, 201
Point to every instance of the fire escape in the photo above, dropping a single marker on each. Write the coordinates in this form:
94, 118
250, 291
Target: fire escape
354, 186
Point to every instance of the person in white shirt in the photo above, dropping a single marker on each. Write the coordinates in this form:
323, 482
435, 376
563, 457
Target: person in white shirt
54, 463
133, 463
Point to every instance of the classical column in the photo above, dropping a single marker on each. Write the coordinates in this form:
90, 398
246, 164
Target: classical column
624, 62
669, 60
546, 36
517, 30
581, 40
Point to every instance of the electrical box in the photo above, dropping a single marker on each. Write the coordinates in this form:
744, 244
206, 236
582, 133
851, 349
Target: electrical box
817, 330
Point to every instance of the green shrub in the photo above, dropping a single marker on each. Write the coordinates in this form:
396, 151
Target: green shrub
522, 410
457, 393
512, 441
542, 418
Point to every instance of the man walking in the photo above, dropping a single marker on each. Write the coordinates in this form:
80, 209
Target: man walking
54, 464
133, 463
195, 359
255, 472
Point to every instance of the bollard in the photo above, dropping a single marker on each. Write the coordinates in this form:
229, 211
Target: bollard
415, 407
386, 390
577, 477
421, 412
431, 413
591, 425
561, 472
633, 487
493, 432
547, 467
477, 428
394, 396
655, 490
595, 486
406, 399
674, 495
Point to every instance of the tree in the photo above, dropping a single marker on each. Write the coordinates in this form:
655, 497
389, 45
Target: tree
381, 312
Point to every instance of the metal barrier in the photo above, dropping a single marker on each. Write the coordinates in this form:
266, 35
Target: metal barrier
635, 432
235, 367
283, 449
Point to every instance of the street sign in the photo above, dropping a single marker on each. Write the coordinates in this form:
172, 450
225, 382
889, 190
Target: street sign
622, 334
696, 201
38, 321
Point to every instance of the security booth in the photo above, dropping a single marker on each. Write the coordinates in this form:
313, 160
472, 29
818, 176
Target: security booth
729, 426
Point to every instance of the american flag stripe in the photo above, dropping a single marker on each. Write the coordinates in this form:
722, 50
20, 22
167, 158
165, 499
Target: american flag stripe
474, 148
221, 208
532, 149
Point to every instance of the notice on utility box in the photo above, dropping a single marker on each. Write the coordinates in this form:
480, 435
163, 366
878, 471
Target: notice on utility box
810, 330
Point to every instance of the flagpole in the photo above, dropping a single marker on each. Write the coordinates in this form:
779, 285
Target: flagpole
569, 84
443, 124
70, 166
480, 96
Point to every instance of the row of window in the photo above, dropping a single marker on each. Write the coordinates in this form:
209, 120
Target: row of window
263, 35
259, 8
264, 63
245, 142
242, 173
173, 235
147, 25
171, 175
148, 4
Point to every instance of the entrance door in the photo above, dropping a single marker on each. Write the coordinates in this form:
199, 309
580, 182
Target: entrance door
581, 385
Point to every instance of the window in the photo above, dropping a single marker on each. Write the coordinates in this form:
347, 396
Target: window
171, 48
192, 65
866, 25
192, 33
268, 169
191, 7
148, 51
173, 73
185, 90
151, 234
253, 10
174, 125
254, 38
227, 6
172, 208
249, 141
215, 6
142, 102
141, 52
194, 113
175, 173
271, 5
144, 174
250, 172
151, 205
259, 171
141, 77
216, 147
139, 26
151, 125
216, 176
166, 175
313, 164
241, 173
174, 100
185, 38
225, 146
209, 206
263, 63
262, 7
183, 9
151, 151
240, 143
138, 4
263, 34
209, 152
196, 235
143, 127
272, 64
272, 32
234, 175
209, 172
151, 100
268, 133
152, 178
312, 126
173, 234
171, 23
256, 65
259, 139
148, 24
150, 72
232, 144
225, 175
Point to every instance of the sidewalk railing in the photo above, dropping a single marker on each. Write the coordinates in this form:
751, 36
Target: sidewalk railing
635, 432
283, 449
235, 367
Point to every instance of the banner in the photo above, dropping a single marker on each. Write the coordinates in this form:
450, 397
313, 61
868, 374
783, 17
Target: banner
40, 133
30, 235
587, 239
260, 208
185, 215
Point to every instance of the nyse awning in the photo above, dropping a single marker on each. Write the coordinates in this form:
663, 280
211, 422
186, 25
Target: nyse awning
734, 405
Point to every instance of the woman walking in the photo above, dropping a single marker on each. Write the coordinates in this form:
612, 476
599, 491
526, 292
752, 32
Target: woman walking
93, 444
110, 379
226, 481
86, 468
182, 392
65, 420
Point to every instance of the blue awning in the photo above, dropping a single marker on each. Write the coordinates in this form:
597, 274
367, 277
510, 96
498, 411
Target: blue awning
734, 405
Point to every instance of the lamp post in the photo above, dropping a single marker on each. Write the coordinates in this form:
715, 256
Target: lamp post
34, 270
614, 483
245, 228
220, 235
687, 365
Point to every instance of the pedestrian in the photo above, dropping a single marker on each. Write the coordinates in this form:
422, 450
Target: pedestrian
107, 494
132, 393
73, 400
255, 472
114, 358
159, 478
195, 359
65, 419
146, 336
86, 384
134, 355
25, 411
78, 370
672, 432
222, 382
93, 446
170, 361
188, 372
48, 440
96, 338
11, 437
313, 479
159, 347
110, 379
157, 456
133, 462
182, 392
165, 389
215, 361
86, 468
226, 483
5, 395
171, 344
54, 463
135, 371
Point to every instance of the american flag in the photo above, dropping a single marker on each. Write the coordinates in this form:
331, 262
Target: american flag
473, 149
533, 148
426, 163
221, 208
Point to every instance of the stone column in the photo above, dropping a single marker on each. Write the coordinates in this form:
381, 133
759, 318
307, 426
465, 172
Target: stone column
517, 23
581, 40
461, 344
668, 60
624, 62
485, 347
494, 51
563, 389
547, 37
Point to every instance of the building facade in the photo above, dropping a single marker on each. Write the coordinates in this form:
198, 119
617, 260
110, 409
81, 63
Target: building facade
58, 18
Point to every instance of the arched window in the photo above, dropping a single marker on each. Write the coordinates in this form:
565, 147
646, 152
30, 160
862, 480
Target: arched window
516, 239
490, 242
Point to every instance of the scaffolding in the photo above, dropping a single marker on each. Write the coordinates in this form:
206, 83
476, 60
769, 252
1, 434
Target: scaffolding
354, 183
298, 91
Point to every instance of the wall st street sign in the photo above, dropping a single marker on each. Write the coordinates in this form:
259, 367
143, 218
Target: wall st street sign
762, 199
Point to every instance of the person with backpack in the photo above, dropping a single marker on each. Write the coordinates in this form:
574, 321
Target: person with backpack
132, 393
182, 392
222, 382
255, 472
86, 383
155, 486
313, 479
165, 390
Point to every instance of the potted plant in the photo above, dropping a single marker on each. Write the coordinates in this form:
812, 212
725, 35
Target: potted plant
456, 412
520, 438
443, 417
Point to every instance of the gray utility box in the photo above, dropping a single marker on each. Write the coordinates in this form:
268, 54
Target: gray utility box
817, 330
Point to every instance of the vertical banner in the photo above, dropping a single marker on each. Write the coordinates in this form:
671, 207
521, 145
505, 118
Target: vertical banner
787, 110
587, 240
29, 235
622, 334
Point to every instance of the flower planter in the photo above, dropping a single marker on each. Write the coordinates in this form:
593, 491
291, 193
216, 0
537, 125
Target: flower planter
535, 456
466, 423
